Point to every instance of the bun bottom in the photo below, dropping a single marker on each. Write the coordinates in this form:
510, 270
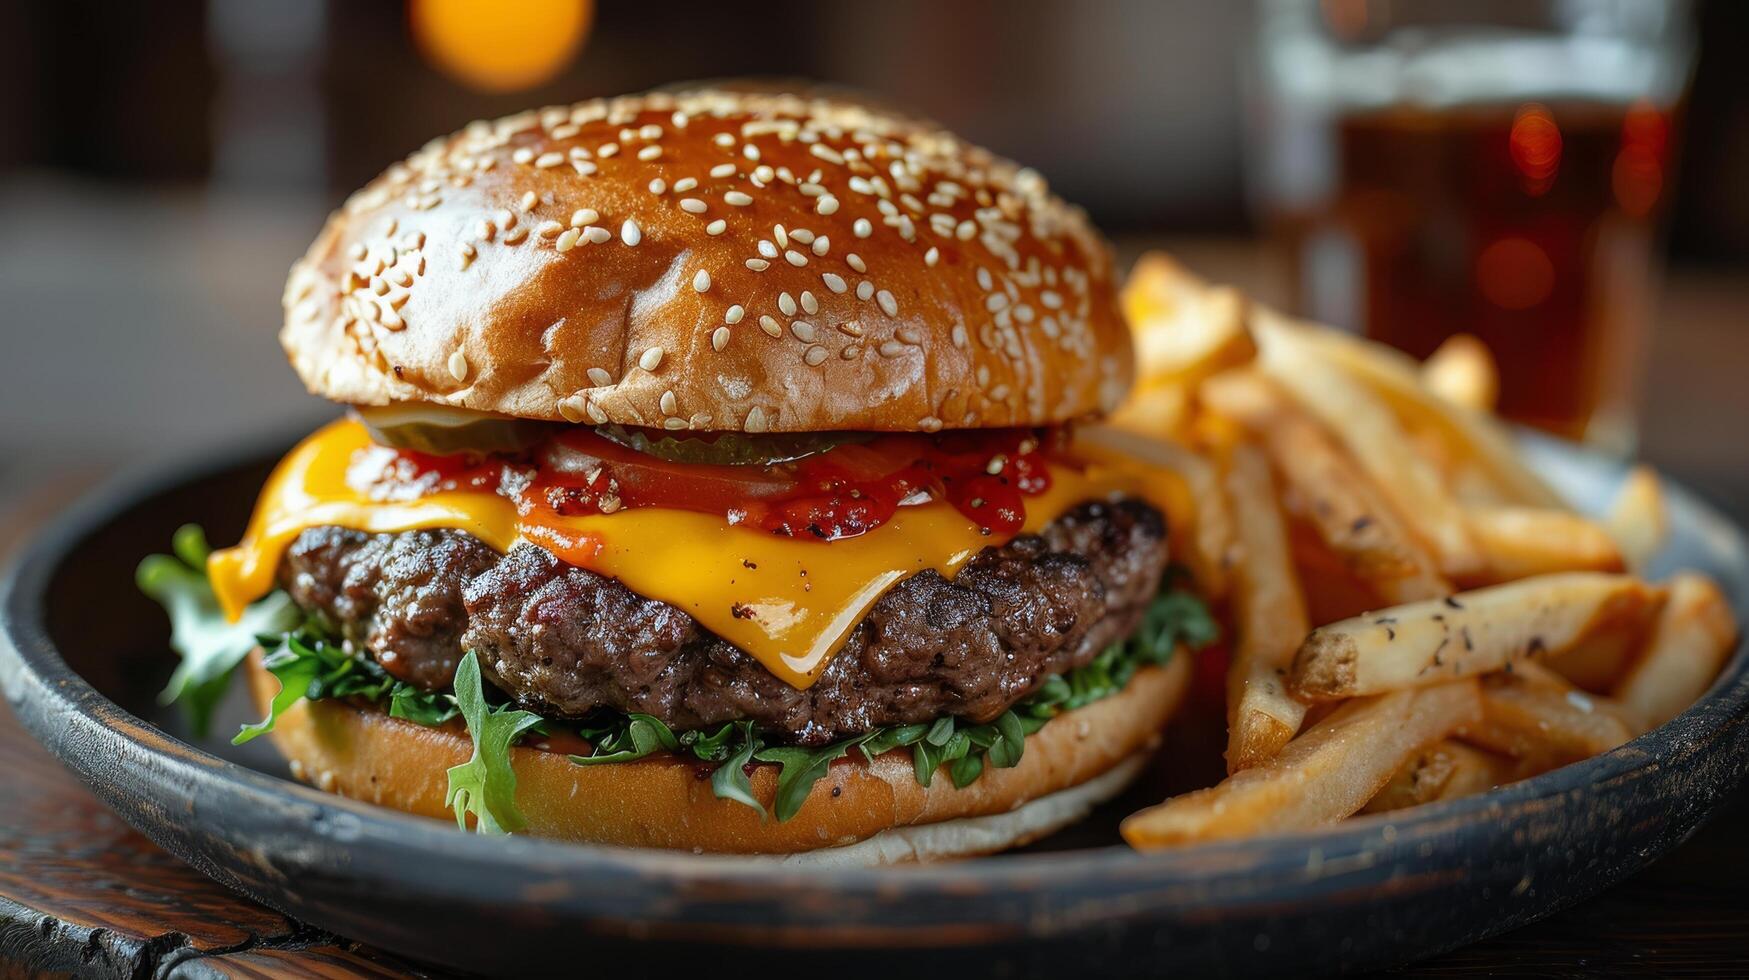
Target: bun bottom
858, 813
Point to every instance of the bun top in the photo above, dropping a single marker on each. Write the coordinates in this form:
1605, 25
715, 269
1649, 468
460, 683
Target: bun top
712, 260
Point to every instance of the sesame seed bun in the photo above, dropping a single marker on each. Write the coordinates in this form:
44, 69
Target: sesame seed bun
858, 813
712, 260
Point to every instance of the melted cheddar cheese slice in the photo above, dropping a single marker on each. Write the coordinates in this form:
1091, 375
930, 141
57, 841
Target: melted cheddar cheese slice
789, 604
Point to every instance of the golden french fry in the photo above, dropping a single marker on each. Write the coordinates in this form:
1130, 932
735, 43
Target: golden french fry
1446, 770
1694, 635
1397, 378
1472, 633
1545, 720
1163, 411
1365, 426
1519, 542
1638, 520
1325, 488
1269, 617
1197, 518
1462, 372
1320, 777
1184, 329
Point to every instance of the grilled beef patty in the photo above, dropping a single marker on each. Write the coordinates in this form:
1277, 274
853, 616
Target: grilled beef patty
563, 640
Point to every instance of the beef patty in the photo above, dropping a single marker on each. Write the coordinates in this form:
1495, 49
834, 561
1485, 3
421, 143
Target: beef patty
563, 640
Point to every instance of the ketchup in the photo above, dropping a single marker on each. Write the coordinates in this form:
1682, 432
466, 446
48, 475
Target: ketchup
839, 493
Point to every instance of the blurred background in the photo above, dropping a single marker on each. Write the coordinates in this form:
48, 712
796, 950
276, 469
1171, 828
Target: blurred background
1404, 167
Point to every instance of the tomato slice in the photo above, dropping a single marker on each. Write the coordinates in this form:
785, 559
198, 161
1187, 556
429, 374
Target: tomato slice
574, 457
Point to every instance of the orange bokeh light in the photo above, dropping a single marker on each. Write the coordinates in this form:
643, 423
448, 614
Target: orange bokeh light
1637, 178
498, 46
1515, 273
1535, 145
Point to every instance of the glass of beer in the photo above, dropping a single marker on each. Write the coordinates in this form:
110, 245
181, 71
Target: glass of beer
1492, 167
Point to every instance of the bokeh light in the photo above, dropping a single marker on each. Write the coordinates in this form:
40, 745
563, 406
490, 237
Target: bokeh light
500, 45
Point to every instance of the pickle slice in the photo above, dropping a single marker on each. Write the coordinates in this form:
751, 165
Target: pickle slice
729, 448
440, 430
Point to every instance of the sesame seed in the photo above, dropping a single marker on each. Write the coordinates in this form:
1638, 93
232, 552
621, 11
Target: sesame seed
889, 305
522, 155
767, 249
737, 199
651, 359
650, 131
701, 281
584, 216
357, 252
795, 258
804, 331
821, 245
932, 256
607, 149
782, 237
750, 151
810, 305
685, 184
585, 168
826, 153
755, 420
692, 205
485, 230
599, 377
528, 200
864, 290
984, 281
515, 235
547, 160
862, 228
658, 186
833, 281
724, 140
668, 423
966, 231
758, 265
855, 262
735, 314
826, 205
814, 356
851, 352
716, 227
891, 348
458, 365
549, 229
722, 170
568, 408
630, 233
568, 240
719, 338
649, 153
669, 404
597, 234
787, 304
996, 302
770, 325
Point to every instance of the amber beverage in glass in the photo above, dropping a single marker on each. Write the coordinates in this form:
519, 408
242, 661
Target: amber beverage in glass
1505, 180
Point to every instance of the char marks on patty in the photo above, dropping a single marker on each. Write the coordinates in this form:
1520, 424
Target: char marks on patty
563, 640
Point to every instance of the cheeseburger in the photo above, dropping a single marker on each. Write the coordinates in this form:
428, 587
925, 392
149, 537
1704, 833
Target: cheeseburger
708, 481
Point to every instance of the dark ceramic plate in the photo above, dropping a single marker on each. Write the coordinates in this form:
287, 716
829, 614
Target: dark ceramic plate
82, 654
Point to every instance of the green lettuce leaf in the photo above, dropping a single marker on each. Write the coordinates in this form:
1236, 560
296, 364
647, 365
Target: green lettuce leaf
210, 647
485, 785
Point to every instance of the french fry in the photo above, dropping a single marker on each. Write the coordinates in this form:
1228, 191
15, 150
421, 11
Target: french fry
1476, 632
1519, 542
1184, 329
1694, 634
1397, 378
1540, 718
1163, 411
1201, 510
1638, 520
1446, 770
1372, 435
1320, 777
1270, 619
1328, 490
1462, 372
